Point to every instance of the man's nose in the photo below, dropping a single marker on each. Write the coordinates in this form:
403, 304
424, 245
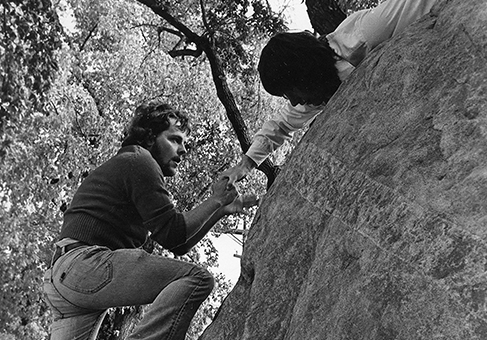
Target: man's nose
182, 149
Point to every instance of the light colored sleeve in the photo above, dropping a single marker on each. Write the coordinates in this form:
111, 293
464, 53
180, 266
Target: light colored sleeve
362, 31
279, 129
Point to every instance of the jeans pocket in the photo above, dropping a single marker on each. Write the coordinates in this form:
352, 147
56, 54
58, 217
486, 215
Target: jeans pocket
89, 272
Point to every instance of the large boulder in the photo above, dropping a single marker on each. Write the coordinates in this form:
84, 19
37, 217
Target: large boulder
376, 228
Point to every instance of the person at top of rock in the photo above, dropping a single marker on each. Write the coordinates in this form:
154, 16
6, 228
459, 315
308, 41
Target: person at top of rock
307, 70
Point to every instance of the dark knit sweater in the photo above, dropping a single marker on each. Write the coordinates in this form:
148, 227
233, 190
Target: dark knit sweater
123, 200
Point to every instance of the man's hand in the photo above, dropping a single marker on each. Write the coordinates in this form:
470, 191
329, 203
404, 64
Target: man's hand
224, 193
240, 203
239, 171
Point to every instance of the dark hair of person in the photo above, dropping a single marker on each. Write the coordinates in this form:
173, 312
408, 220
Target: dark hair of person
298, 59
150, 120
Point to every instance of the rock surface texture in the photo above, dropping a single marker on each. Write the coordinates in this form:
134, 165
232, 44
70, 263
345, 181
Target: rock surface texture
376, 228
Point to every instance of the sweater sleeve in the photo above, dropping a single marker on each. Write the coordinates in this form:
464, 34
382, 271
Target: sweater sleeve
146, 187
276, 131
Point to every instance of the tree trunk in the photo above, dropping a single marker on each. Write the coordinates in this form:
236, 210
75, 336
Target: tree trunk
233, 113
377, 227
324, 15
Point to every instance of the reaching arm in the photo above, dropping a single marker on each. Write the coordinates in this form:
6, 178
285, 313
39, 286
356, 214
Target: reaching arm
200, 220
239, 171
270, 137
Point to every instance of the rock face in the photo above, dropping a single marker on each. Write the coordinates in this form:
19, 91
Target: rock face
376, 228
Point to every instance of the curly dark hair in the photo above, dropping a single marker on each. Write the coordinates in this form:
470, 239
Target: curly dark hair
298, 60
150, 120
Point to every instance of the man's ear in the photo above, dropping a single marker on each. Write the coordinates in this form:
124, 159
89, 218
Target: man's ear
149, 141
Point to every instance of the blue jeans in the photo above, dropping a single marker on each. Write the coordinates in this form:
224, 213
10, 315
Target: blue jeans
86, 281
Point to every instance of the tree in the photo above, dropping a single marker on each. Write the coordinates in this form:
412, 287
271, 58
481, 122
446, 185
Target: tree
115, 59
30, 36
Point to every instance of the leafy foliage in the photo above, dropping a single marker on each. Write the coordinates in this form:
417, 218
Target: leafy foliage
29, 221
350, 6
233, 25
30, 36
108, 67
232, 28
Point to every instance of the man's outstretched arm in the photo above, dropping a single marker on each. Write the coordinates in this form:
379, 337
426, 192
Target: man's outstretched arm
200, 220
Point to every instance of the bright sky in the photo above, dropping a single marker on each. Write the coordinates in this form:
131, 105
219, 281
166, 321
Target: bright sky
294, 11
228, 264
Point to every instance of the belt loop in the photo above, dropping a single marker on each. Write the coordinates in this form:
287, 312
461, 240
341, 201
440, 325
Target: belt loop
54, 257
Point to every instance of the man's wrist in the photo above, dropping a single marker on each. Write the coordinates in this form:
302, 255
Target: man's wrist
248, 163
216, 202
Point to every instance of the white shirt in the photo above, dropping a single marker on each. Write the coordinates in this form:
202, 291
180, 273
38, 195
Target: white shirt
353, 39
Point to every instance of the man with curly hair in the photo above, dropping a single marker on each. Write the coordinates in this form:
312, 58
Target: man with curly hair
99, 263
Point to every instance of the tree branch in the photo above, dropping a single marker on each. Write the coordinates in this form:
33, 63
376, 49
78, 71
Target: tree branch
324, 15
203, 15
169, 30
163, 12
185, 52
90, 34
